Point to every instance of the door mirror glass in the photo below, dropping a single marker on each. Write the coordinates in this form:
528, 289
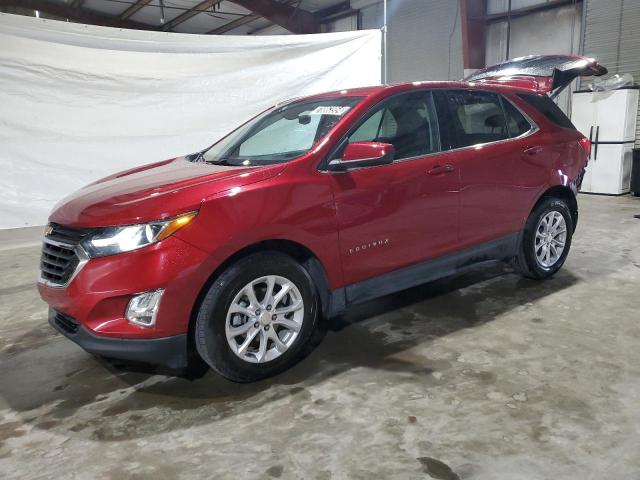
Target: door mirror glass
363, 154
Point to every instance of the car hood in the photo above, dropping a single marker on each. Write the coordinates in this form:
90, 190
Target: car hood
152, 192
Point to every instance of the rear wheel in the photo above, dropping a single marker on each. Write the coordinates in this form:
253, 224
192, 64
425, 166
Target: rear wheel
546, 239
257, 318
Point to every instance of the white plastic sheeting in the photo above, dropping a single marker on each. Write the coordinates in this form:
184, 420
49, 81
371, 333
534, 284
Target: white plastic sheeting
79, 102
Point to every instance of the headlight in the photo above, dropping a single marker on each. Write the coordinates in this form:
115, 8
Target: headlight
112, 240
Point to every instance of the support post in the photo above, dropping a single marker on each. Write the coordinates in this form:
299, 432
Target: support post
385, 51
472, 16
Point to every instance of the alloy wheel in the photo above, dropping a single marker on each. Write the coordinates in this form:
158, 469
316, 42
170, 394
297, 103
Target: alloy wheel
264, 319
551, 237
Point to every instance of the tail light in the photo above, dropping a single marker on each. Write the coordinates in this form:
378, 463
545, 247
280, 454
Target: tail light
585, 143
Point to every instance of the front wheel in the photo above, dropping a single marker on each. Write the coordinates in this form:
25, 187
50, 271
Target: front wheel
258, 317
546, 239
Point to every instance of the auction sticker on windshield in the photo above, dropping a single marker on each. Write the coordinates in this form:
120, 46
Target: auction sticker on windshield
330, 110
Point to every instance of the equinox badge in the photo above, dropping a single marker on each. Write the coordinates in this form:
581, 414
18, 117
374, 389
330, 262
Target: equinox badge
366, 246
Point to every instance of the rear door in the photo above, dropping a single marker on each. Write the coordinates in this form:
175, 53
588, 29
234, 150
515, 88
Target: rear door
549, 74
483, 132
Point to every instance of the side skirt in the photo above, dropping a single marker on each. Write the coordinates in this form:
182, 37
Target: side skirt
502, 249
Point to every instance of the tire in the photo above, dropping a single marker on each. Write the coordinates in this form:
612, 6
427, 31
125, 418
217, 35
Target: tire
214, 322
529, 262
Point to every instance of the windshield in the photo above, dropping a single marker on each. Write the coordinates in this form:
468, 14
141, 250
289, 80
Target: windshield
281, 133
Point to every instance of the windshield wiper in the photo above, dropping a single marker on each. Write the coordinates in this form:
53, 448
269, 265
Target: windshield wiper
200, 158
222, 161
245, 162
197, 157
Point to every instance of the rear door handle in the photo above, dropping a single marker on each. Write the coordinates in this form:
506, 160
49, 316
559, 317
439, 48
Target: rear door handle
441, 169
532, 150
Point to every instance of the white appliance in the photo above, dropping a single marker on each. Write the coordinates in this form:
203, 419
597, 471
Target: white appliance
608, 119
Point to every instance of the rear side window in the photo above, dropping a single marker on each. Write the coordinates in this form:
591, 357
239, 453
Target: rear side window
548, 108
516, 123
476, 117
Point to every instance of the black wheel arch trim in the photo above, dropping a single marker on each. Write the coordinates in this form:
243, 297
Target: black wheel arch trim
567, 192
329, 303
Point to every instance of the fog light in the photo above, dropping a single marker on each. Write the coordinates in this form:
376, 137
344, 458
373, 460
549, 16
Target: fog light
143, 308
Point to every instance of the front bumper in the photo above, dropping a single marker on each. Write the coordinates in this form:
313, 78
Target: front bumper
98, 296
169, 352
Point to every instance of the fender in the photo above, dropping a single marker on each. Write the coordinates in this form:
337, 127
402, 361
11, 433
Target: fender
567, 176
567, 190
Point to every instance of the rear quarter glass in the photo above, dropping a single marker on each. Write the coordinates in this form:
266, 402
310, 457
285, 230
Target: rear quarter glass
547, 107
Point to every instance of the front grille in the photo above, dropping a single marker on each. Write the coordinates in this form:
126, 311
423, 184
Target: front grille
68, 324
59, 258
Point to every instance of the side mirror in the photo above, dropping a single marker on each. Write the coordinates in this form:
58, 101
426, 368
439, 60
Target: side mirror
363, 154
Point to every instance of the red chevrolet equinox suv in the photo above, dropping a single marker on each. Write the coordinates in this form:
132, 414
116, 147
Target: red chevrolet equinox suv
235, 254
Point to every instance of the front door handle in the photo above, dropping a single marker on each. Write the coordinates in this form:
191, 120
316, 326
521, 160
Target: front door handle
532, 150
441, 169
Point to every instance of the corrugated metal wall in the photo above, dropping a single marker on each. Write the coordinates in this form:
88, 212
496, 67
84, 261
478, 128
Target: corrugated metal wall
544, 33
540, 33
424, 38
612, 35
345, 24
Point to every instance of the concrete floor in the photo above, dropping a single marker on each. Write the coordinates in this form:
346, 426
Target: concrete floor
485, 376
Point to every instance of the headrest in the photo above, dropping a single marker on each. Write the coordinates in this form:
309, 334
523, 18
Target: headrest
408, 120
494, 121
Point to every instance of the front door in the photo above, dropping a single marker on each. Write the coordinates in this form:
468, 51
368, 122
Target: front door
396, 215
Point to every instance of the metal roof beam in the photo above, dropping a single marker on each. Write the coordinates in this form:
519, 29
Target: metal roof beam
80, 15
134, 8
183, 17
238, 22
292, 18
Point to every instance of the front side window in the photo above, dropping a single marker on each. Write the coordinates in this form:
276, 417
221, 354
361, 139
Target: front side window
281, 133
476, 117
406, 121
